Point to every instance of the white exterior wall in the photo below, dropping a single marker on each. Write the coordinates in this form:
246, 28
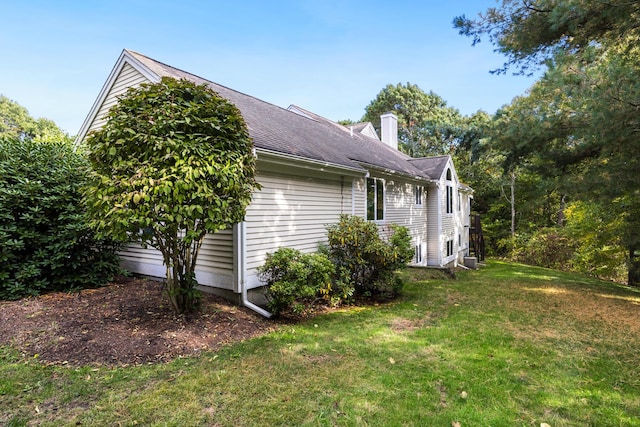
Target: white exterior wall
443, 226
435, 209
128, 77
292, 210
401, 209
464, 223
359, 197
214, 266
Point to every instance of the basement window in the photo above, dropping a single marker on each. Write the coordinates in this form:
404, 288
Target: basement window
375, 199
449, 247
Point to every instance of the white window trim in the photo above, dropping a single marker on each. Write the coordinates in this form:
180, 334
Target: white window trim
375, 196
450, 242
448, 199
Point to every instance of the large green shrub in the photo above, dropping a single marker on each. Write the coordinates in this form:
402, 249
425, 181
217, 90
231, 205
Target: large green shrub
175, 159
548, 247
46, 243
356, 261
294, 279
357, 248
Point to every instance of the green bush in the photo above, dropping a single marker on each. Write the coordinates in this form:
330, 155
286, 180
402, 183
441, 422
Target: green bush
369, 262
46, 243
547, 247
294, 279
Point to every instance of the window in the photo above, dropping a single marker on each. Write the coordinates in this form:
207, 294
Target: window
459, 202
418, 253
449, 247
419, 191
375, 199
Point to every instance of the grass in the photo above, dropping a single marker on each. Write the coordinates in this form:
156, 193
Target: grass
507, 345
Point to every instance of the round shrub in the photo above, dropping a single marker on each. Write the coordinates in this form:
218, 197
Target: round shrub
46, 242
369, 261
295, 279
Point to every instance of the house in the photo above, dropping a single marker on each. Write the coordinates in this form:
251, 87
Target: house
311, 170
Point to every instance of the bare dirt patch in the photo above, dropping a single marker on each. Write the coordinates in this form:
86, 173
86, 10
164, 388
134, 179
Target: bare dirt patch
400, 325
127, 322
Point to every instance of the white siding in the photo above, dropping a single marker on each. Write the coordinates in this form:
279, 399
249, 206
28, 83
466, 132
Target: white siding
128, 77
435, 207
401, 209
292, 211
443, 226
359, 197
134, 253
216, 253
214, 266
464, 222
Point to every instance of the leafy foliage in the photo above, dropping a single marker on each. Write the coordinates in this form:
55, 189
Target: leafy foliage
294, 279
16, 123
368, 261
426, 125
47, 244
355, 262
547, 247
530, 33
174, 160
597, 231
577, 128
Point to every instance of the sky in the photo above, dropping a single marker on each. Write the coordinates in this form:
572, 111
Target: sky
329, 57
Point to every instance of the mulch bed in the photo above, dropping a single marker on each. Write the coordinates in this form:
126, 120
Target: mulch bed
127, 322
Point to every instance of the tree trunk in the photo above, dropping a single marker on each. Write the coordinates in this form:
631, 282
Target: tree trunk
513, 206
634, 267
563, 205
180, 262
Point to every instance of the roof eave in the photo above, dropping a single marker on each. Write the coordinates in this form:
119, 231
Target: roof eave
395, 172
305, 162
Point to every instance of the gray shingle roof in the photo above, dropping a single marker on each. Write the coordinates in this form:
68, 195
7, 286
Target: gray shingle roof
313, 137
432, 167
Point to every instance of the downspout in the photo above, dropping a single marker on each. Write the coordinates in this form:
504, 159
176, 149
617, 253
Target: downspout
242, 266
439, 224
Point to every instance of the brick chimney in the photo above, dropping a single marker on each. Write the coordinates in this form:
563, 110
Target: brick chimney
389, 129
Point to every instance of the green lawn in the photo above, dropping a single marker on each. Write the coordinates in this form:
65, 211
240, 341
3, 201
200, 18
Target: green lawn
507, 345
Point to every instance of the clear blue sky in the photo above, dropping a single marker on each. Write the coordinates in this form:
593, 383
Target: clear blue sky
330, 57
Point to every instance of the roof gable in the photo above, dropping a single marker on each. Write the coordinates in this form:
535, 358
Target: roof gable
126, 58
365, 128
433, 167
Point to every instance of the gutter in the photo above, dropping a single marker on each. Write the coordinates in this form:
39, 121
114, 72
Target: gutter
305, 162
242, 268
388, 171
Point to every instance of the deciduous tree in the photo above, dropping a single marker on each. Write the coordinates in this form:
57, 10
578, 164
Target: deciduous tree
173, 162
426, 125
17, 123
